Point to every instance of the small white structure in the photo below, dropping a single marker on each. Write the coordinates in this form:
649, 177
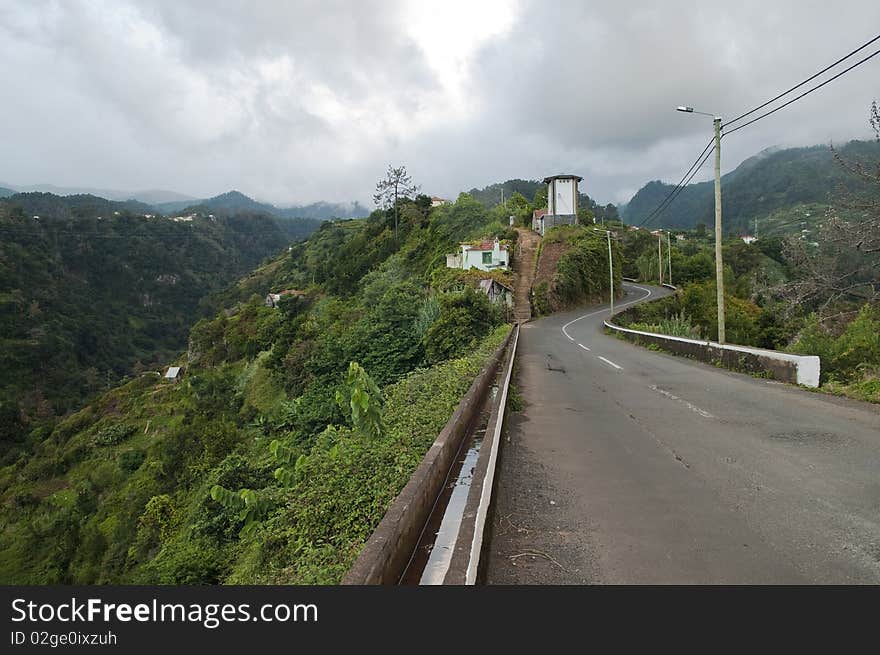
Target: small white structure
487, 256
436, 201
538, 220
273, 299
747, 238
562, 202
497, 292
173, 373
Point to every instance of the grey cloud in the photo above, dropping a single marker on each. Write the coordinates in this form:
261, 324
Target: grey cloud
301, 101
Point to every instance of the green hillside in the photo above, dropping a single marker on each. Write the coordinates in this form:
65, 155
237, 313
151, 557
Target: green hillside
91, 290
254, 467
771, 181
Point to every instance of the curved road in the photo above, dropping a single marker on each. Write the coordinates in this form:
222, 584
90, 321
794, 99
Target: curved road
633, 466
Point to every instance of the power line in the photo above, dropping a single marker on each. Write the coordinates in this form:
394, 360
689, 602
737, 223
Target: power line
805, 93
674, 192
809, 79
692, 171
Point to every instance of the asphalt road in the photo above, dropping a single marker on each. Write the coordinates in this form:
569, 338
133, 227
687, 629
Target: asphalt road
632, 466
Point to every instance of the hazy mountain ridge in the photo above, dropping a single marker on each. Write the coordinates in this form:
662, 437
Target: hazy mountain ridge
167, 202
236, 200
147, 196
771, 180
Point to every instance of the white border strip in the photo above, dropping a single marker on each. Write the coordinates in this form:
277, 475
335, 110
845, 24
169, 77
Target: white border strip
807, 366
600, 311
489, 480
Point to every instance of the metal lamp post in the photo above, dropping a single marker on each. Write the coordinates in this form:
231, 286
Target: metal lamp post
719, 266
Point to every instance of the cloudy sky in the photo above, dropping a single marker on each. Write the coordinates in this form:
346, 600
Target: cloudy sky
299, 101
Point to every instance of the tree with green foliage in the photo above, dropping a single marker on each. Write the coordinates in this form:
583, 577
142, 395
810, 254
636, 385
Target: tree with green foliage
397, 184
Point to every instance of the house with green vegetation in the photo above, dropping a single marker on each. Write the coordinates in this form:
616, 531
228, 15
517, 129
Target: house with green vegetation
485, 256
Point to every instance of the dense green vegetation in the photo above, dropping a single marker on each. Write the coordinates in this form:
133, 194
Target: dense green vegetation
573, 269
813, 292
274, 457
91, 291
772, 180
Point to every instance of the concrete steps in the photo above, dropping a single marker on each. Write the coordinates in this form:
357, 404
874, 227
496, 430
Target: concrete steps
524, 267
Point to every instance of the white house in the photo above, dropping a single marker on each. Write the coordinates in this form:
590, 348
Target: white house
562, 202
173, 373
436, 201
748, 238
487, 256
273, 299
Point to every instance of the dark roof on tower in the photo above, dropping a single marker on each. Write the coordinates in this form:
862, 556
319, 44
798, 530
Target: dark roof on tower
563, 176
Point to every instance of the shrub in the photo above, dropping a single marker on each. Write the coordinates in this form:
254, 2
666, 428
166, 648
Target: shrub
464, 318
131, 460
114, 434
677, 325
851, 355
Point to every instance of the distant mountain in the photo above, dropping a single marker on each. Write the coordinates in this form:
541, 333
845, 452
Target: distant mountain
149, 196
171, 202
236, 201
92, 290
44, 204
773, 179
326, 210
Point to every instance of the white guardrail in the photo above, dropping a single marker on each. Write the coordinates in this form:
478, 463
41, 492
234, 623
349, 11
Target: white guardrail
806, 366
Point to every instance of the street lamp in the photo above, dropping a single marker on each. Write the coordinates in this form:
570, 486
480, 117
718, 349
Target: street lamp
719, 266
610, 266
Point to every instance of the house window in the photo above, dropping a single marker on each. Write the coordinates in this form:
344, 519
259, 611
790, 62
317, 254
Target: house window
487, 259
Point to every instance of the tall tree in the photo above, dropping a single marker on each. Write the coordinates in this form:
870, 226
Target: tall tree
397, 184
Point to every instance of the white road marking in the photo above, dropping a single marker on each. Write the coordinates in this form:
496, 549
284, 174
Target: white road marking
583, 346
599, 311
608, 361
694, 408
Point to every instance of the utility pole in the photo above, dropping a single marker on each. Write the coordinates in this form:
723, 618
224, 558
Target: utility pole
719, 266
669, 255
502, 195
660, 256
756, 227
610, 270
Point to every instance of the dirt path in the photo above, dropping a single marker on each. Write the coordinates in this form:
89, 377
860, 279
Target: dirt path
524, 266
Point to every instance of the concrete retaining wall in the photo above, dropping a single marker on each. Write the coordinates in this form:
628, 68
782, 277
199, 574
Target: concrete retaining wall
795, 369
388, 551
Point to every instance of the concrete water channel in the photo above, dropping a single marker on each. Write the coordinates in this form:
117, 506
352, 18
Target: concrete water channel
432, 557
433, 532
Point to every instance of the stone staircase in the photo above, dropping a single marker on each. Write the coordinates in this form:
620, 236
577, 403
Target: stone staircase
524, 267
